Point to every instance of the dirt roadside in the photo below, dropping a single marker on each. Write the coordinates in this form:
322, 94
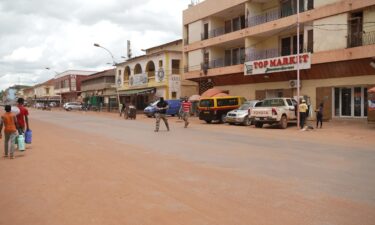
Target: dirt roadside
65, 178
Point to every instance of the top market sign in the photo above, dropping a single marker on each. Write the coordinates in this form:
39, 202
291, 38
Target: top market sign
279, 64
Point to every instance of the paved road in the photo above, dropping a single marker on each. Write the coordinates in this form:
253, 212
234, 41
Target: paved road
248, 173
343, 169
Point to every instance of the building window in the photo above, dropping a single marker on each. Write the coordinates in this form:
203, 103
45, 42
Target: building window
119, 72
47, 91
310, 41
289, 45
175, 66
205, 31
174, 95
160, 63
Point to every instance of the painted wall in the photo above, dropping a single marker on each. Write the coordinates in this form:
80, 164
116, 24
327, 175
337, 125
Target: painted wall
216, 53
215, 23
319, 3
368, 19
195, 30
195, 58
330, 37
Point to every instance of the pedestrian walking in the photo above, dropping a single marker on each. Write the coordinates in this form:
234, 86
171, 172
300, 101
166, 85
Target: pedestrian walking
302, 113
161, 111
319, 115
122, 109
186, 105
22, 117
9, 121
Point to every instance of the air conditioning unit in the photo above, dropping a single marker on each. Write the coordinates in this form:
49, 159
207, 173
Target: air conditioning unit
293, 83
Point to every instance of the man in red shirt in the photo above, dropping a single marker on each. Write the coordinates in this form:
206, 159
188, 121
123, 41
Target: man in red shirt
22, 117
186, 105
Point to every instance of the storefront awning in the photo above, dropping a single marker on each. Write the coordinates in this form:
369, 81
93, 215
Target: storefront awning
137, 92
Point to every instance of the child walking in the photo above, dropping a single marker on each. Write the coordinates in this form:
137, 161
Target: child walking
9, 121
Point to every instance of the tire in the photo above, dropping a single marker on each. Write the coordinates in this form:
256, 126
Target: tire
258, 125
208, 121
68, 109
222, 118
283, 122
246, 121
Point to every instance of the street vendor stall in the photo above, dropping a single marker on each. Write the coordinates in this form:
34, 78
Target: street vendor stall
371, 105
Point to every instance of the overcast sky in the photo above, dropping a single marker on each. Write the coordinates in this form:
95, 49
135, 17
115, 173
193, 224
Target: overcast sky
60, 34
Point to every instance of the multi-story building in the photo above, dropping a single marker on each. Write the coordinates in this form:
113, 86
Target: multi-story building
100, 88
68, 84
45, 93
143, 79
249, 47
29, 95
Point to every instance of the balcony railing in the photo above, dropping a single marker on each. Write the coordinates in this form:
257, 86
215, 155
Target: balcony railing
270, 16
361, 39
253, 54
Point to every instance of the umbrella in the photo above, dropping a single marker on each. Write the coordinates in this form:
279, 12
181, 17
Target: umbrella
371, 90
220, 95
194, 98
211, 92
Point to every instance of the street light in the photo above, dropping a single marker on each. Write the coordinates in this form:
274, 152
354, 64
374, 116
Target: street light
114, 64
47, 68
113, 58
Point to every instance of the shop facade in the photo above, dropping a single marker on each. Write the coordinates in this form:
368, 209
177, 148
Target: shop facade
252, 53
144, 79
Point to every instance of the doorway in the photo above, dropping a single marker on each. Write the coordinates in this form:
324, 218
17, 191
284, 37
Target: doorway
350, 102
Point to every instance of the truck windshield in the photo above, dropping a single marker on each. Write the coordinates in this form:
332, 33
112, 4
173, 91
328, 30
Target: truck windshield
245, 106
273, 103
206, 103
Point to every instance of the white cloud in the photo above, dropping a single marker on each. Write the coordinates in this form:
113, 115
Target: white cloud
25, 54
60, 34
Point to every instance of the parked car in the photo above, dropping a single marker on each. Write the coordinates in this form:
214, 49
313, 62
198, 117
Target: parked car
174, 107
216, 108
279, 111
72, 106
241, 115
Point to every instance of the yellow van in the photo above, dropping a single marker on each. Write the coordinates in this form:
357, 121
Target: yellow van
216, 108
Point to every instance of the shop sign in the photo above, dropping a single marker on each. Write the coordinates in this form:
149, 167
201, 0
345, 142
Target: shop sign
175, 83
279, 64
160, 75
138, 79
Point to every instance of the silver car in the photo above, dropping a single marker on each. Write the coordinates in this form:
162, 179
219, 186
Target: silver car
241, 115
72, 105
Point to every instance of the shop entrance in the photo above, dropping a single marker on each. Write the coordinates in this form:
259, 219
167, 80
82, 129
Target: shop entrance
350, 102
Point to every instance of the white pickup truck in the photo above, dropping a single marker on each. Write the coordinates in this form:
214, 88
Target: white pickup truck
275, 111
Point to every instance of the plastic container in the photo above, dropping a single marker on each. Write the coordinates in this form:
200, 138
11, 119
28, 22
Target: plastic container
28, 136
21, 142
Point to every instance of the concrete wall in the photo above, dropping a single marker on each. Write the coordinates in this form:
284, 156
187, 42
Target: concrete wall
368, 18
195, 30
195, 58
216, 53
319, 3
330, 37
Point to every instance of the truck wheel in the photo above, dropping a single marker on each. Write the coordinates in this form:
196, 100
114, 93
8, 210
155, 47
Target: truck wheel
258, 125
222, 118
283, 122
208, 121
246, 121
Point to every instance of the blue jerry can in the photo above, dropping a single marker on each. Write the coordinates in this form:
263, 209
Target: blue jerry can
28, 136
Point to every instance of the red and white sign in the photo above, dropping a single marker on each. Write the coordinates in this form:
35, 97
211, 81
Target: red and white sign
279, 64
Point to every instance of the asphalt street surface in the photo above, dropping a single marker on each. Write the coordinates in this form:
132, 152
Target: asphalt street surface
205, 174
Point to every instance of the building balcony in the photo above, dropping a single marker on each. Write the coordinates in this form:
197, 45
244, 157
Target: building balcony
361, 39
